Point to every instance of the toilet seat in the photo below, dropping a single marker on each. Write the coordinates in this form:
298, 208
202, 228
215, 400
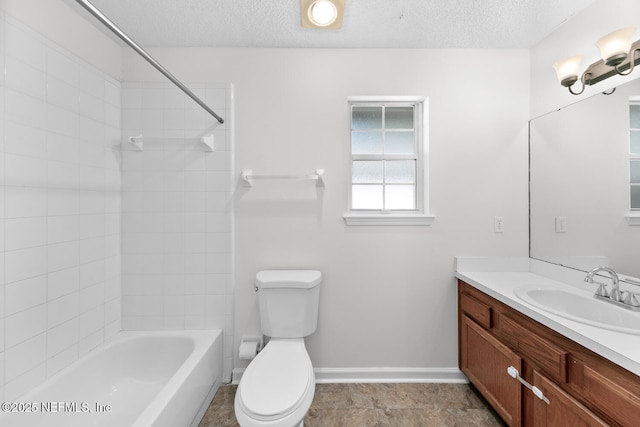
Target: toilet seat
277, 382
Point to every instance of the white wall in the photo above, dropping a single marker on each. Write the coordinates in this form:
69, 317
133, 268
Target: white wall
388, 296
59, 206
577, 37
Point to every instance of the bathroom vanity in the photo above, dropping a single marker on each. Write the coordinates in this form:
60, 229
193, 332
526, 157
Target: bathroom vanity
536, 368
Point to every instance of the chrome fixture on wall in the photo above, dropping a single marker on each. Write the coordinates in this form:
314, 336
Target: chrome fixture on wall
619, 56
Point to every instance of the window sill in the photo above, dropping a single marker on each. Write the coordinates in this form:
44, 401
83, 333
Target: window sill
388, 219
633, 218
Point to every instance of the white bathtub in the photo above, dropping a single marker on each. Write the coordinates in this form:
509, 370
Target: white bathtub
137, 379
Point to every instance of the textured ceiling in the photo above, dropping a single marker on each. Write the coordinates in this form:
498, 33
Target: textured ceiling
366, 24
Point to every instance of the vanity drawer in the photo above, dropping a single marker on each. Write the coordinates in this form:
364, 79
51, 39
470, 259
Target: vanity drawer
549, 357
475, 309
624, 406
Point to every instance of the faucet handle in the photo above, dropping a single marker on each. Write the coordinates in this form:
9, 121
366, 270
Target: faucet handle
632, 299
602, 290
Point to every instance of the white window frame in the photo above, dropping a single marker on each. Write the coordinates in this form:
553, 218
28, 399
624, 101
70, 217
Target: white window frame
421, 215
633, 216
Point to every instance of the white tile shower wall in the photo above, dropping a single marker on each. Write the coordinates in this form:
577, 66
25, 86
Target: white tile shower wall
60, 208
176, 211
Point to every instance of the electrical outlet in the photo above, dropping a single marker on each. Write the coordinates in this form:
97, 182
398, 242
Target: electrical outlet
498, 224
561, 224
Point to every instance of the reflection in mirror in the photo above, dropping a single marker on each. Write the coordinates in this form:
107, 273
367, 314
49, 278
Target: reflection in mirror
585, 183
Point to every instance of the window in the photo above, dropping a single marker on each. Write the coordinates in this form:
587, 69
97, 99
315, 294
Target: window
388, 161
634, 154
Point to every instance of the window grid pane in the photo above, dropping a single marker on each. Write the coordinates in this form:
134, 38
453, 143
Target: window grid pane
366, 118
398, 117
366, 142
635, 197
399, 142
366, 197
399, 197
634, 142
635, 171
634, 116
400, 171
368, 172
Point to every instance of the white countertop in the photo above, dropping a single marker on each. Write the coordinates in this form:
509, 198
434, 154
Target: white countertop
621, 348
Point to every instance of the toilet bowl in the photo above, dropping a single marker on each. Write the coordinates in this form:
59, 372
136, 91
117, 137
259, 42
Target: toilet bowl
277, 388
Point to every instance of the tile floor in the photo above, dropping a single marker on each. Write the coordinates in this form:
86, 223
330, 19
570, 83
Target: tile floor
376, 405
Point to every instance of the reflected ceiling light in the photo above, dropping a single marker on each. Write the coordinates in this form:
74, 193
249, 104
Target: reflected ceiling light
321, 14
619, 56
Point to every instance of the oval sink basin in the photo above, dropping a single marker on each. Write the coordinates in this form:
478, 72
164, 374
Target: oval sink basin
581, 307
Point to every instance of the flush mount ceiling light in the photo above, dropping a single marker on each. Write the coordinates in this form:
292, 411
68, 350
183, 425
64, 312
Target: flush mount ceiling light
619, 57
321, 14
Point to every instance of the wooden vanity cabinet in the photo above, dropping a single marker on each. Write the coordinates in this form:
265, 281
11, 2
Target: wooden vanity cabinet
484, 360
583, 388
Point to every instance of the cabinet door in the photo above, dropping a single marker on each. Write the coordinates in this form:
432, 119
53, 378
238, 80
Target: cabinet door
623, 405
562, 410
485, 360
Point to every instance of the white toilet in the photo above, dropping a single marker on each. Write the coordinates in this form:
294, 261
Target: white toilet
277, 388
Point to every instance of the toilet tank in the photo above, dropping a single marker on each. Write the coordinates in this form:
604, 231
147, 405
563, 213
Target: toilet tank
288, 302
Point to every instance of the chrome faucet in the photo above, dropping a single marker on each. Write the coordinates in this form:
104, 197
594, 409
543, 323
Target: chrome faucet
615, 294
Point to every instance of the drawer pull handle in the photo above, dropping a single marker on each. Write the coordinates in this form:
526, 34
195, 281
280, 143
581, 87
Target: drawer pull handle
513, 372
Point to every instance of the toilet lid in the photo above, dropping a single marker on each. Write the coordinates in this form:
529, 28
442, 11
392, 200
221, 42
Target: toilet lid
277, 380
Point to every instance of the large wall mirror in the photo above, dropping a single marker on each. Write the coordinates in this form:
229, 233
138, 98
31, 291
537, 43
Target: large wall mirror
585, 182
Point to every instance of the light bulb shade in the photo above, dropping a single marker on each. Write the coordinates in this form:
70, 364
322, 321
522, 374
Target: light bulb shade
323, 13
568, 69
615, 46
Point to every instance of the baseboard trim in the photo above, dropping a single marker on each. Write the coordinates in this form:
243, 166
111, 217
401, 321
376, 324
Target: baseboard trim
389, 375
381, 375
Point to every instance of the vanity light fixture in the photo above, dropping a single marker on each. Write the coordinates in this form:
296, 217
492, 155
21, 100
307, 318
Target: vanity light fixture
321, 14
619, 56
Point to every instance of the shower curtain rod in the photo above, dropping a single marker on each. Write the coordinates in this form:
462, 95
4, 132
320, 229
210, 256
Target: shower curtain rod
118, 32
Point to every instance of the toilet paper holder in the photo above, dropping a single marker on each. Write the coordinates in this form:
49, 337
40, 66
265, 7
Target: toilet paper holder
250, 346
